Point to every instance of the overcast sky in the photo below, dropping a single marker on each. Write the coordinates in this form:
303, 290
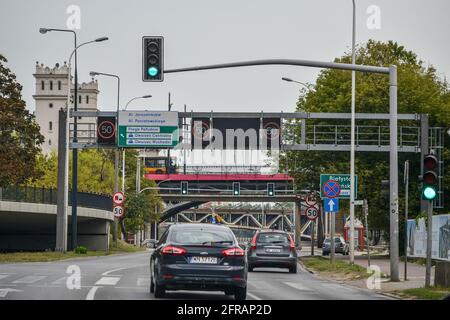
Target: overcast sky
209, 31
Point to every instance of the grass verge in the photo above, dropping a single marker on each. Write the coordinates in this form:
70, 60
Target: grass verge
120, 247
340, 269
432, 293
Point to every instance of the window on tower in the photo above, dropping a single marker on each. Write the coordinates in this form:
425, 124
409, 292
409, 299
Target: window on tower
42, 85
59, 85
87, 99
79, 99
51, 85
50, 105
50, 125
49, 142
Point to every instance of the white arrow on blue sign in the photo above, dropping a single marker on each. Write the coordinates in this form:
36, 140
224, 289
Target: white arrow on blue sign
331, 204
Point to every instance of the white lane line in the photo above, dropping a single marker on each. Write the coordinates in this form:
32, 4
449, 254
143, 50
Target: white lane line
141, 282
109, 281
113, 270
3, 276
297, 286
29, 279
60, 280
91, 293
254, 297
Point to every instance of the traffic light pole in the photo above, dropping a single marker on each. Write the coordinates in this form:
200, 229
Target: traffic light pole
424, 150
429, 243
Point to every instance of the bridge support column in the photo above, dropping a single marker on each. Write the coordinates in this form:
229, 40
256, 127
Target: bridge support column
297, 222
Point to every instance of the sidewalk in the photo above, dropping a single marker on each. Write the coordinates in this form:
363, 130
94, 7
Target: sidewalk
415, 272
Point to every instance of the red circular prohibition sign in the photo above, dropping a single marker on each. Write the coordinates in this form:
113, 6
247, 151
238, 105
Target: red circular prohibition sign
104, 123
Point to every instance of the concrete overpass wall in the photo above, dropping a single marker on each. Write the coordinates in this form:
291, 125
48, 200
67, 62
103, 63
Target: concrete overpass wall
32, 227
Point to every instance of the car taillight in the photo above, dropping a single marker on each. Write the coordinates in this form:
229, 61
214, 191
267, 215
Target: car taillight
173, 250
233, 252
292, 244
253, 243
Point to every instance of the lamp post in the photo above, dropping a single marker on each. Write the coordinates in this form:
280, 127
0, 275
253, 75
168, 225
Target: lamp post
307, 86
75, 151
123, 150
116, 151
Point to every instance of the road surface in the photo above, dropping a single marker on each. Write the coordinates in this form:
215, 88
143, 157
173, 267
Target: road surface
127, 277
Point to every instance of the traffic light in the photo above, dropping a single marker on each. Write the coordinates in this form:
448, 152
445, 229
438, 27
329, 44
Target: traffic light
385, 188
270, 189
430, 177
184, 187
236, 188
152, 59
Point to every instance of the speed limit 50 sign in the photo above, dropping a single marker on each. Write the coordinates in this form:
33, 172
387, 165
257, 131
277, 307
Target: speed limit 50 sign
106, 131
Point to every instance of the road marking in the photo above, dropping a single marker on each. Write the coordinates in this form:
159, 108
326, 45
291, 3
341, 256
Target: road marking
113, 270
5, 291
297, 286
60, 281
251, 295
91, 293
3, 276
109, 281
141, 282
29, 279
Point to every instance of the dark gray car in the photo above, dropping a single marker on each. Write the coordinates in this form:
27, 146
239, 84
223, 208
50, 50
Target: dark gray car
272, 248
198, 257
339, 244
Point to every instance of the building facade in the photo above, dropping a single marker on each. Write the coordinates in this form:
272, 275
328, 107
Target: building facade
51, 96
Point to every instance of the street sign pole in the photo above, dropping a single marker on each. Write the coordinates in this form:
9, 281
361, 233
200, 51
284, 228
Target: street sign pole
332, 216
312, 236
366, 213
406, 179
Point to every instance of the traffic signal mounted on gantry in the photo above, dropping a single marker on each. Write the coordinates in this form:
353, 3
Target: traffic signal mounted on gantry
152, 58
430, 178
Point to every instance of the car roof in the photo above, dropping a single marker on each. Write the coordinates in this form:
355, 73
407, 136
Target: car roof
271, 231
198, 225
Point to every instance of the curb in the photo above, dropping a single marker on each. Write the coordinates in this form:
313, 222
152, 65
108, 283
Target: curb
387, 294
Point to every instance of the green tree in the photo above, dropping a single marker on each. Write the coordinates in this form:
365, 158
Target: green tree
20, 138
95, 171
146, 206
420, 90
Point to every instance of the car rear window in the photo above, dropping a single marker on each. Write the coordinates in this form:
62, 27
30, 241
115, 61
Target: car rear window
201, 236
272, 238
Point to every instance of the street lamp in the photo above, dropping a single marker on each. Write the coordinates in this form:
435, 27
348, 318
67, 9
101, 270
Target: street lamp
63, 246
123, 151
116, 151
307, 86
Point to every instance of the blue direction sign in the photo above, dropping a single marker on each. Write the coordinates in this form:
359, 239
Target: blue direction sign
331, 204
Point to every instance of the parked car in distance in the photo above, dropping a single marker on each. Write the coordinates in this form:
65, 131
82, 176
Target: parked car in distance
339, 244
272, 248
198, 256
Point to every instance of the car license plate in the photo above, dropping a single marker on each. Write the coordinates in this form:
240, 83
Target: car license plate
273, 250
206, 260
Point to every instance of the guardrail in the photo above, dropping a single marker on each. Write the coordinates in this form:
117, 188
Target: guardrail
48, 196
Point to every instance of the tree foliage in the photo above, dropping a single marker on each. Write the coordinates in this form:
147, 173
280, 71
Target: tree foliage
20, 138
420, 90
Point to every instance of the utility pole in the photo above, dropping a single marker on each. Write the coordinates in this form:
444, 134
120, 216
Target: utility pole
406, 180
366, 213
352, 145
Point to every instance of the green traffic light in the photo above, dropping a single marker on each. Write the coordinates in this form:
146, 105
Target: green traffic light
152, 71
429, 193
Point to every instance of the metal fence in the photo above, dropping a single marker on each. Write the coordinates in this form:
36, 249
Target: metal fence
48, 196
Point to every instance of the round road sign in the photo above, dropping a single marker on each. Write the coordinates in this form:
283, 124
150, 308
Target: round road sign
118, 198
311, 199
312, 213
118, 211
331, 189
106, 129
